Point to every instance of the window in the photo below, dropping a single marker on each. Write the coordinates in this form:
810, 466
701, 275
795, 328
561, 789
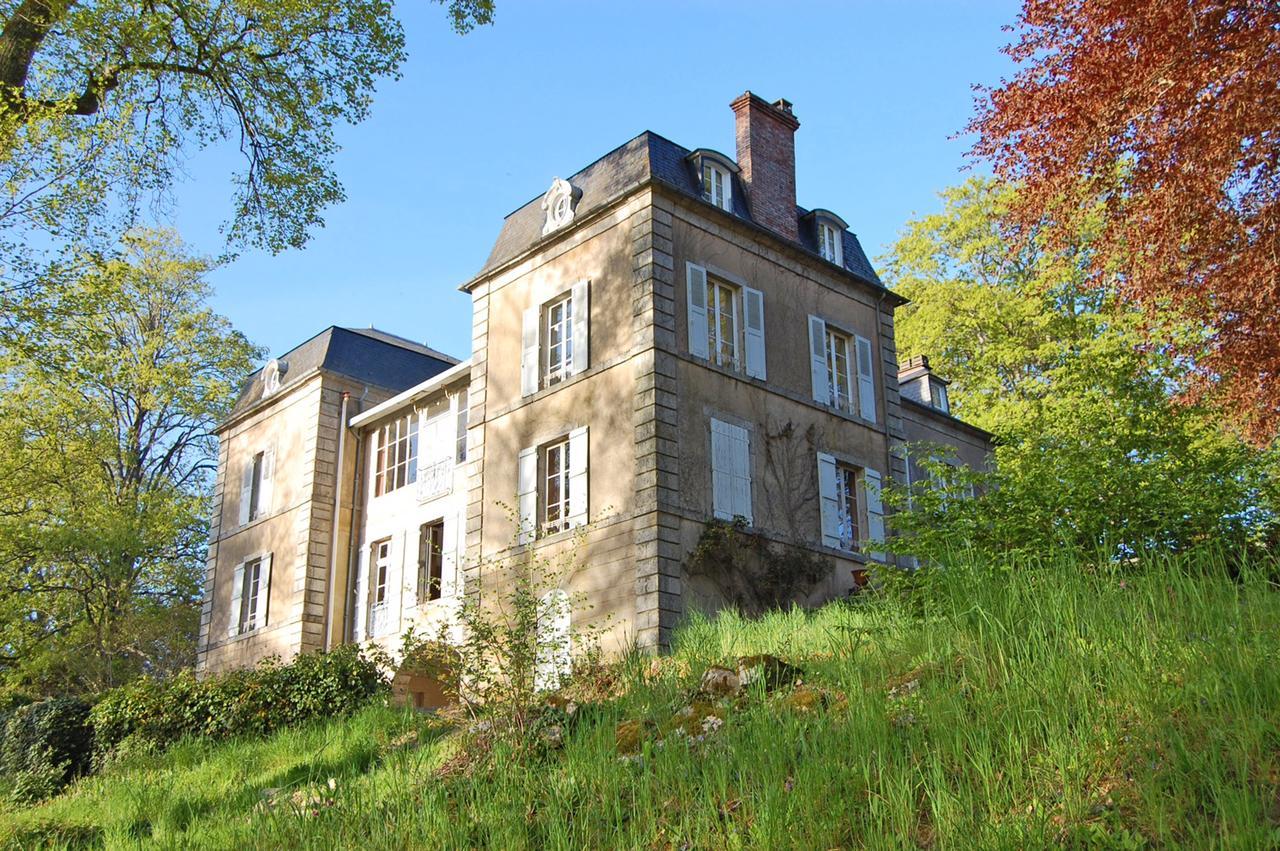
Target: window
379, 608
558, 333
256, 485
851, 510
843, 375
717, 186
830, 239
430, 561
250, 595
555, 494
552, 486
396, 463
464, 412
730, 471
938, 396
555, 344
726, 323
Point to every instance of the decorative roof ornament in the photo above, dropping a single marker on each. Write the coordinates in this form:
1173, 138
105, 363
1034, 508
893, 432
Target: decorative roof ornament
271, 375
559, 204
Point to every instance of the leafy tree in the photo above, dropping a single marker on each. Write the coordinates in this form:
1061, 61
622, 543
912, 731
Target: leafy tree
1165, 113
112, 385
101, 100
1093, 451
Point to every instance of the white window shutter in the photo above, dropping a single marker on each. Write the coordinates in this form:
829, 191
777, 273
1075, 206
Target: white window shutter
875, 509
742, 475
527, 490
529, 352
581, 326
264, 592
754, 303
818, 360
267, 487
237, 595
578, 462
246, 490
696, 280
553, 660
827, 499
721, 477
449, 559
866, 380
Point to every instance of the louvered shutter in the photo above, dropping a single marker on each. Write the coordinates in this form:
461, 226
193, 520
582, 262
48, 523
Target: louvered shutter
267, 487
875, 510
529, 352
264, 592
696, 289
754, 301
527, 489
246, 490
818, 360
553, 656
581, 326
742, 475
578, 462
866, 380
828, 500
237, 595
721, 476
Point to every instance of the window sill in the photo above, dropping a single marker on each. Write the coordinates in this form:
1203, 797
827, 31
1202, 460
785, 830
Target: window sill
248, 633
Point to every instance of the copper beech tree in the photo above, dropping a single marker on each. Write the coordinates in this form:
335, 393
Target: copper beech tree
1163, 115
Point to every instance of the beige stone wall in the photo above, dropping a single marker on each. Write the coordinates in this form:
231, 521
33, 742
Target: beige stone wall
972, 448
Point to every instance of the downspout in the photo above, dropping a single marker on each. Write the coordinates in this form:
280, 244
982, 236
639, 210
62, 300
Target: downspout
888, 441
330, 613
353, 551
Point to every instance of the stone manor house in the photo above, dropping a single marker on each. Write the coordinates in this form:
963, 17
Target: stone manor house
662, 339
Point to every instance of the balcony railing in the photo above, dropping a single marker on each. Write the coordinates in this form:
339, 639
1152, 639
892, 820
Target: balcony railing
435, 479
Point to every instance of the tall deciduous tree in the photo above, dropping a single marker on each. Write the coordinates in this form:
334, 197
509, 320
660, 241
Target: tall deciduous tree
100, 101
113, 383
1092, 450
1166, 113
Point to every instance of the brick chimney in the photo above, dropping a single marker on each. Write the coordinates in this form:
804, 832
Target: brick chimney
767, 158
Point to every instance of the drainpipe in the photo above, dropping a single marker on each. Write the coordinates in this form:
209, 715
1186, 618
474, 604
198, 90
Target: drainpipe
330, 608
353, 539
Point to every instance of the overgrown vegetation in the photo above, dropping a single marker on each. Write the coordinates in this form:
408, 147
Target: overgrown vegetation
754, 573
995, 704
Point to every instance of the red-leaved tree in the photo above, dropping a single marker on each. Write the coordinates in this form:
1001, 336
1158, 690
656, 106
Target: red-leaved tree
1164, 116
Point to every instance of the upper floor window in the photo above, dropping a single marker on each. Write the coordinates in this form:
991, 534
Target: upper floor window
396, 462
830, 242
842, 369
431, 561
726, 322
552, 486
555, 340
256, 485
250, 594
851, 508
464, 413
717, 187
938, 396
380, 588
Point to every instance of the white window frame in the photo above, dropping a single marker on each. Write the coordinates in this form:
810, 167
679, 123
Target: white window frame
716, 177
431, 561
395, 460
840, 397
718, 291
849, 519
557, 333
463, 417
938, 396
566, 318
559, 452
379, 588
822, 369
250, 595
830, 239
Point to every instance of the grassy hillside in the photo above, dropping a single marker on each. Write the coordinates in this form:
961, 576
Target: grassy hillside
1043, 707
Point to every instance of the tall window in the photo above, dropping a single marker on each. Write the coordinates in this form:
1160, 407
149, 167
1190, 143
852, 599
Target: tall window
381, 565
839, 369
251, 596
430, 561
397, 459
829, 242
556, 507
559, 337
460, 449
847, 505
723, 323
250, 593
716, 186
255, 491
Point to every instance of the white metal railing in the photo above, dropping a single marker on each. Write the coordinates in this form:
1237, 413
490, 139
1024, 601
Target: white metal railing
379, 619
435, 479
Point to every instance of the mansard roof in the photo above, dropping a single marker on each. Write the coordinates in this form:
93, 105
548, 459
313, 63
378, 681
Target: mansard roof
647, 157
366, 355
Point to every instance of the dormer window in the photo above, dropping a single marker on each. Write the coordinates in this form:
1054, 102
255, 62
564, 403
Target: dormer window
716, 186
938, 396
830, 241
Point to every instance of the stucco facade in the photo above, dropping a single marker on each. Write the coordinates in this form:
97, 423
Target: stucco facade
651, 351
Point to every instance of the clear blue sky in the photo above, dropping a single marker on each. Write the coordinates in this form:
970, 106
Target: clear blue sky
479, 124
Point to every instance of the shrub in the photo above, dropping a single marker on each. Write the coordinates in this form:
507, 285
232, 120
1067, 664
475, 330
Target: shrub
150, 714
43, 746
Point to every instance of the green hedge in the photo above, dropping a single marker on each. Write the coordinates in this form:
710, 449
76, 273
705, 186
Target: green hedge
152, 714
43, 746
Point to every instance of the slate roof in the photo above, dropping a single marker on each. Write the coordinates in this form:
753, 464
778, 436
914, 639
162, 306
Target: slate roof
366, 355
647, 156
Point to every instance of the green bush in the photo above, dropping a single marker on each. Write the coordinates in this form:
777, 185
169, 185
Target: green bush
150, 714
43, 746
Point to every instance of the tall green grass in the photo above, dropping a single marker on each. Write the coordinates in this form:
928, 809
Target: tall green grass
1055, 704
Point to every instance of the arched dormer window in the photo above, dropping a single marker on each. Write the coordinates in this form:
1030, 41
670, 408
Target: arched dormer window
829, 231
272, 373
716, 172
